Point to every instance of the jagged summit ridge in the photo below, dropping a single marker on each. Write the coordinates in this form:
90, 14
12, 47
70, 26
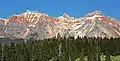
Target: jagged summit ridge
66, 15
96, 12
41, 25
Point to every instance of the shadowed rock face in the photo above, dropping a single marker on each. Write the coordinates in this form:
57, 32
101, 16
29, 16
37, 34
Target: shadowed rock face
2, 27
41, 26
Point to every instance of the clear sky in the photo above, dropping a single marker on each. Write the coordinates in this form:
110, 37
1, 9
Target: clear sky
76, 8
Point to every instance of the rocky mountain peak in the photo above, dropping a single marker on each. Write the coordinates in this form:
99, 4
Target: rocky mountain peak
66, 15
96, 12
44, 26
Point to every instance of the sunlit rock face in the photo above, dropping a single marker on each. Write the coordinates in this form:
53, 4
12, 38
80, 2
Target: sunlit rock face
30, 22
94, 24
41, 26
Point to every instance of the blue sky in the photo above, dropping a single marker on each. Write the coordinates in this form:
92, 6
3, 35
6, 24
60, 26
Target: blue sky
76, 8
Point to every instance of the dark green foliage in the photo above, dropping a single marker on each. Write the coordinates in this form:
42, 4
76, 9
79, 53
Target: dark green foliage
61, 49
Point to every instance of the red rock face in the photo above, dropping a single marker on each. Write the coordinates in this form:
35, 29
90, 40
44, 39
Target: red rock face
21, 26
41, 26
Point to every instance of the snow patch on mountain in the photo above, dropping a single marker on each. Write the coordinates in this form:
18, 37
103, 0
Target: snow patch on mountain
40, 25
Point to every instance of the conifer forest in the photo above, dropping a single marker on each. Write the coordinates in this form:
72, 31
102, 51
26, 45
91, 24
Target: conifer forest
62, 49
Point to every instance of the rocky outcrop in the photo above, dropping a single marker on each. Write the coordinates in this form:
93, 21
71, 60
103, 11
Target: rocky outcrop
41, 26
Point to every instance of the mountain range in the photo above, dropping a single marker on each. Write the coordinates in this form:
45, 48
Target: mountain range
40, 25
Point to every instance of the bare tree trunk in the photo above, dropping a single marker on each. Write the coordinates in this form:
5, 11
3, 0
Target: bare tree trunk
2, 52
60, 47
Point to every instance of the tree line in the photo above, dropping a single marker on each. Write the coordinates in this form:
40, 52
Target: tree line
61, 49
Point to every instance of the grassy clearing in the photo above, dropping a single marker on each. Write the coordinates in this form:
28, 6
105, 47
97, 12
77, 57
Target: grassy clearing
117, 58
113, 58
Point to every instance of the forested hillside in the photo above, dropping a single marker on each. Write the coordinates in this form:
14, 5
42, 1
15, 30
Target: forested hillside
62, 49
